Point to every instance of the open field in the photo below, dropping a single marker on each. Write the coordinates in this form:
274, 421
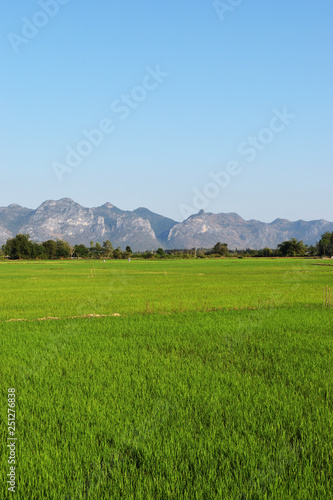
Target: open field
215, 381
33, 290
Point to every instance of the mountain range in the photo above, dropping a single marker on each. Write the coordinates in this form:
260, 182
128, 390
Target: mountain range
142, 229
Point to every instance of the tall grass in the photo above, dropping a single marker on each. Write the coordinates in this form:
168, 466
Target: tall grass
163, 401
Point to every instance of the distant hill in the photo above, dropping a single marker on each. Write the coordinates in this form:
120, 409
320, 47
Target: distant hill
160, 225
205, 229
142, 229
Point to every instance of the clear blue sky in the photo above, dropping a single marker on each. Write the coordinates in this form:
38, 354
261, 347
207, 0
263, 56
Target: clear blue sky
227, 72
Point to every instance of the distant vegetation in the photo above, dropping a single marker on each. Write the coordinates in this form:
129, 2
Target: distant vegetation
21, 247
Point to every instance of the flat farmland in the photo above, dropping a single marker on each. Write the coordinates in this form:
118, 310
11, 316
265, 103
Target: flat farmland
215, 380
31, 290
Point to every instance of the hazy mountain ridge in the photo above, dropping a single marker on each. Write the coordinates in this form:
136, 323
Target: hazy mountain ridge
143, 229
68, 220
208, 228
13, 216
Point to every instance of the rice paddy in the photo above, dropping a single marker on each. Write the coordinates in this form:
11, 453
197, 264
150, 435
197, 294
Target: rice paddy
194, 379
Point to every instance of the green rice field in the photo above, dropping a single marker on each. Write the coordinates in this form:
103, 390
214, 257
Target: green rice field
167, 379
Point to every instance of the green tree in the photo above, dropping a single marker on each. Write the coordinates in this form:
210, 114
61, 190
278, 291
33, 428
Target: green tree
220, 249
313, 250
63, 249
19, 247
81, 251
50, 249
265, 252
325, 244
98, 250
107, 248
95, 250
117, 254
38, 252
292, 248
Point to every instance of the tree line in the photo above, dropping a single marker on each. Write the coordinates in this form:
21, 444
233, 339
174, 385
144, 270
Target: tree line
289, 248
21, 247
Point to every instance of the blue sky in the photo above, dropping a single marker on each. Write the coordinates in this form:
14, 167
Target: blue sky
224, 73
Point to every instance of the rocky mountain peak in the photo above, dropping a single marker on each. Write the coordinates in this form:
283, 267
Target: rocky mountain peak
142, 229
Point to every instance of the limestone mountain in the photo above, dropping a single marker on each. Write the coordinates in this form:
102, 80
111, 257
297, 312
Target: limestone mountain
142, 229
65, 219
205, 229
